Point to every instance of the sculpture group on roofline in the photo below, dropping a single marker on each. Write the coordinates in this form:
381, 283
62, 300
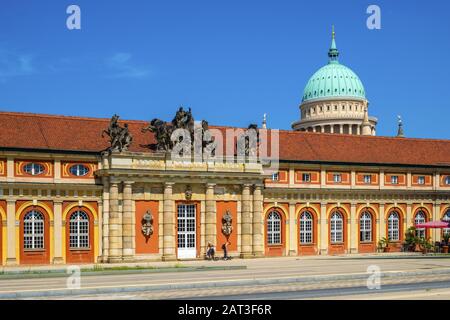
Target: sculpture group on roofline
121, 138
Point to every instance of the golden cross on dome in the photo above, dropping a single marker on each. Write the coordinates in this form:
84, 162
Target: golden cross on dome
332, 32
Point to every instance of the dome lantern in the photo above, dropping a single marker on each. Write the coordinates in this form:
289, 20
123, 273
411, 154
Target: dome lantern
333, 53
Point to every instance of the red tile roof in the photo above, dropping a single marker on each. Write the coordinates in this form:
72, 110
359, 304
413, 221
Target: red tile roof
65, 133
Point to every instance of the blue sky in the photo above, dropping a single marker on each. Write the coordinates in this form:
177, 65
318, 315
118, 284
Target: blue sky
230, 61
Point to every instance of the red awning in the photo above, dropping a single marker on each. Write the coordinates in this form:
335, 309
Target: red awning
433, 225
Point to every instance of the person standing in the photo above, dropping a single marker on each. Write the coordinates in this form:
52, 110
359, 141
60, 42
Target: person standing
225, 250
210, 251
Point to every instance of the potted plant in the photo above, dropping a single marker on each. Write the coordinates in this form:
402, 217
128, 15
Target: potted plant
425, 245
445, 237
384, 243
412, 242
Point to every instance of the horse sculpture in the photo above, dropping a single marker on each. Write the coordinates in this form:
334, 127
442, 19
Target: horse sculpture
119, 138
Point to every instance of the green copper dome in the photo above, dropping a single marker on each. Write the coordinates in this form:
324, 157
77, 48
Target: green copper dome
334, 80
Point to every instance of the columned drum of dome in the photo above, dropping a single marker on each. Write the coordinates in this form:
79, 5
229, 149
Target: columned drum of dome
334, 100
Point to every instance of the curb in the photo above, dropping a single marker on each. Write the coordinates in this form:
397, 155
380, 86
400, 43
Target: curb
204, 285
63, 272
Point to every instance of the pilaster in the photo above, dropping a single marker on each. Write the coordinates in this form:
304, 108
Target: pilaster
115, 227
323, 228
57, 229
246, 224
128, 246
353, 229
11, 259
210, 215
258, 224
169, 223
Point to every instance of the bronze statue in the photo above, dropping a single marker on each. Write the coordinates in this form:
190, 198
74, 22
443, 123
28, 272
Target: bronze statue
119, 138
250, 146
163, 131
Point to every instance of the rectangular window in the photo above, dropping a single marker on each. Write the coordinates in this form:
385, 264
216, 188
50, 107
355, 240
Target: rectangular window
306, 177
394, 179
337, 178
421, 180
275, 176
367, 179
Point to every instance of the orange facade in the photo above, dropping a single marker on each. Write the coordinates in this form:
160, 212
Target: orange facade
344, 178
422, 180
390, 178
283, 178
147, 245
300, 176
361, 178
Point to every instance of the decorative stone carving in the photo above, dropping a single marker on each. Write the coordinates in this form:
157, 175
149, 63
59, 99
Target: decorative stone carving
120, 138
227, 227
188, 193
147, 224
183, 120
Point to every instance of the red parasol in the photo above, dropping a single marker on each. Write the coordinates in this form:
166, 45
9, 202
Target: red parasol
433, 225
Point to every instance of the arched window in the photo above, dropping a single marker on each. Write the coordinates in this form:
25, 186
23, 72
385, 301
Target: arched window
33, 230
365, 227
420, 218
274, 228
394, 226
79, 230
447, 219
306, 228
336, 228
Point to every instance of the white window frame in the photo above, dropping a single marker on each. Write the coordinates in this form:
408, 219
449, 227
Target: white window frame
446, 218
447, 180
421, 180
34, 221
276, 176
394, 179
306, 177
274, 228
78, 171
306, 228
76, 219
33, 166
365, 227
337, 177
420, 217
394, 226
367, 179
336, 227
